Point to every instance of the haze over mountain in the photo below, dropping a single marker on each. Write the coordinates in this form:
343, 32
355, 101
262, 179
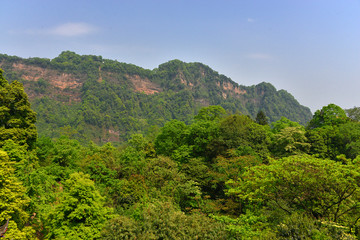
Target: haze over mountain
309, 48
105, 100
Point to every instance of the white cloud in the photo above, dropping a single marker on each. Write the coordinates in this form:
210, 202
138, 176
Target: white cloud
260, 56
72, 29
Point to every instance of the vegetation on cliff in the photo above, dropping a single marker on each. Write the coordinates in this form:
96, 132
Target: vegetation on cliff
219, 176
103, 100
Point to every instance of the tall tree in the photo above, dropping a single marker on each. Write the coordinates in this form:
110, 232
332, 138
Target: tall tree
81, 212
17, 120
261, 118
13, 201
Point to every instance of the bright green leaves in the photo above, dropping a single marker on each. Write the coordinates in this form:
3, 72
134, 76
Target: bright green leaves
80, 213
161, 220
240, 131
17, 120
210, 138
13, 201
290, 141
3, 81
214, 164
288, 138
210, 113
282, 123
327, 116
320, 188
201, 134
349, 136
171, 139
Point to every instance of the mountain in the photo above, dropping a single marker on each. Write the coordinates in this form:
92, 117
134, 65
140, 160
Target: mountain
97, 99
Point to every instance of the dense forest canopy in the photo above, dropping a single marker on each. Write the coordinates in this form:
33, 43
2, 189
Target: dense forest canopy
217, 176
103, 100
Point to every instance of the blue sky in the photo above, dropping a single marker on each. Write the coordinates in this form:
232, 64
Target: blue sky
311, 48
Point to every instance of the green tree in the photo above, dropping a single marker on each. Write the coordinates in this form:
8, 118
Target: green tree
210, 113
165, 180
17, 120
325, 142
348, 139
261, 118
201, 134
161, 220
80, 213
301, 226
322, 189
65, 152
353, 113
283, 123
13, 201
290, 141
240, 131
327, 116
172, 141
223, 170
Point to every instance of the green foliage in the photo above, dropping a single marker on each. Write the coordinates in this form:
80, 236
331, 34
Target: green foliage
348, 139
80, 213
247, 226
17, 120
283, 123
284, 185
105, 100
174, 176
162, 220
210, 113
333, 140
200, 136
261, 118
197, 171
225, 169
171, 138
161, 174
234, 131
65, 151
300, 226
327, 116
290, 141
121, 227
25, 160
353, 113
240, 130
13, 200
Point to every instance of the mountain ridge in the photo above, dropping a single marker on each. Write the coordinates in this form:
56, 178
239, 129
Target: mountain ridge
99, 90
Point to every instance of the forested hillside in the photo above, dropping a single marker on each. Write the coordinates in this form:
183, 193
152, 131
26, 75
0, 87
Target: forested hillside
91, 98
220, 176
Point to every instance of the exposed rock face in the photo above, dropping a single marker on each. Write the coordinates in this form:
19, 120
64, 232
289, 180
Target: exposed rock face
59, 80
144, 85
230, 88
106, 100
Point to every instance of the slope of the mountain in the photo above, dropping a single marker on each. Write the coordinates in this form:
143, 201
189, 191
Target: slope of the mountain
105, 100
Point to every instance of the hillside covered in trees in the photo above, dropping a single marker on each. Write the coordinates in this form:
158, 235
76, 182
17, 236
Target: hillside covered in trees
219, 176
102, 100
